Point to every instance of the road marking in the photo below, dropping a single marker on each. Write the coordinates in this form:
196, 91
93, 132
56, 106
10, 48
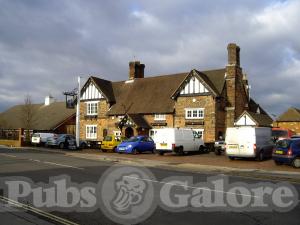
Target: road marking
45, 162
63, 165
192, 187
8, 155
38, 211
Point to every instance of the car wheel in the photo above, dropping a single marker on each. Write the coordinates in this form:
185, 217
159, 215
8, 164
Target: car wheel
134, 151
61, 145
217, 151
260, 156
296, 163
278, 163
231, 157
83, 146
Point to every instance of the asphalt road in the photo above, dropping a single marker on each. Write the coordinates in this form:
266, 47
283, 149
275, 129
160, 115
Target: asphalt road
39, 166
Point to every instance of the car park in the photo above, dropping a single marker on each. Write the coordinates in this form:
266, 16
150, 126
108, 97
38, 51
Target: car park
287, 151
249, 142
177, 140
110, 143
136, 144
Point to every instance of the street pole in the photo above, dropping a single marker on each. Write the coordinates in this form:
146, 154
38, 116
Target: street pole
78, 115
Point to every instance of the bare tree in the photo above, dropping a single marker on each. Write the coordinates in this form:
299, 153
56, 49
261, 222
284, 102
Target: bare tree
28, 113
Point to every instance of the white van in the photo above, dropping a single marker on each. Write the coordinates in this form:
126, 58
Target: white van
250, 142
178, 140
40, 138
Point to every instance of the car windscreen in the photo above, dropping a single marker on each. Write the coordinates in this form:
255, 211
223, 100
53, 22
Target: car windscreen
279, 133
107, 138
283, 143
132, 139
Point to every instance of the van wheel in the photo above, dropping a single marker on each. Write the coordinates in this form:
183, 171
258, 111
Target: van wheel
201, 149
260, 156
296, 163
104, 150
231, 157
161, 153
115, 149
61, 146
180, 151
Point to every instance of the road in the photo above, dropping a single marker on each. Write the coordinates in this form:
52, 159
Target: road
39, 166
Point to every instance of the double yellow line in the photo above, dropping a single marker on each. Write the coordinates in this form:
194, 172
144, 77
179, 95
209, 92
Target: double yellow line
39, 212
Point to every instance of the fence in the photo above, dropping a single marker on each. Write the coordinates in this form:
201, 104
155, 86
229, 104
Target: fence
11, 137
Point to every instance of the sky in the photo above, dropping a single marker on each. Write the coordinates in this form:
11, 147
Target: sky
45, 45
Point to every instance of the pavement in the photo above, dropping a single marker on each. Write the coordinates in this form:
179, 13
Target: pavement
209, 163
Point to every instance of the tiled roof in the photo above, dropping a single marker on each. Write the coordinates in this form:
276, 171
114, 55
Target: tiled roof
291, 115
153, 94
44, 117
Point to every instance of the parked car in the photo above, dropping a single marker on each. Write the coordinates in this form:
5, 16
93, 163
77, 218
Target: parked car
40, 138
177, 140
219, 147
110, 143
287, 151
249, 142
64, 141
136, 144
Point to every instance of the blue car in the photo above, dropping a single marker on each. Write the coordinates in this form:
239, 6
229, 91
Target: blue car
136, 144
287, 151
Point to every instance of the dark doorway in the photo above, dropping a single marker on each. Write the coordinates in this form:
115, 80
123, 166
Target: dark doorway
128, 132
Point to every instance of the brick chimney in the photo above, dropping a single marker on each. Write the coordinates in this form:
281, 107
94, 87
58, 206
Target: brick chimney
136, 70
233, 54
237, 97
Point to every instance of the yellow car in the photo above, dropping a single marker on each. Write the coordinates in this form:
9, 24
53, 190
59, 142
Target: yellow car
110, 143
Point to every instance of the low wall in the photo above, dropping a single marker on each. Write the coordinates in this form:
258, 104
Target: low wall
11, 143
15, 140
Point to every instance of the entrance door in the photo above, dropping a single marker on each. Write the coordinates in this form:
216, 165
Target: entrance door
128, 132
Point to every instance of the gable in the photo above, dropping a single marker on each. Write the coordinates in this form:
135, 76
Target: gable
91, 92
245, 120
193, 86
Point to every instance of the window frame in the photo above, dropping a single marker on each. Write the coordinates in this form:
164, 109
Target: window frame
194, 113
160, 117
92, 111
89, 134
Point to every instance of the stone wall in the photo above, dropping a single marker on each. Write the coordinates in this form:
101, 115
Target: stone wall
209, 121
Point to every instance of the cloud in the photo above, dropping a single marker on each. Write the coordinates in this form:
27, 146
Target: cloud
45, 45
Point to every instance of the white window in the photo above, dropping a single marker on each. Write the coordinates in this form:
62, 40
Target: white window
160, 117
194, 113
92, 108
91, 131
118, 133
198, 133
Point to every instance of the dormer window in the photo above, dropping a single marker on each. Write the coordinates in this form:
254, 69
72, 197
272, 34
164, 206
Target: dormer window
92, 108
160, 117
